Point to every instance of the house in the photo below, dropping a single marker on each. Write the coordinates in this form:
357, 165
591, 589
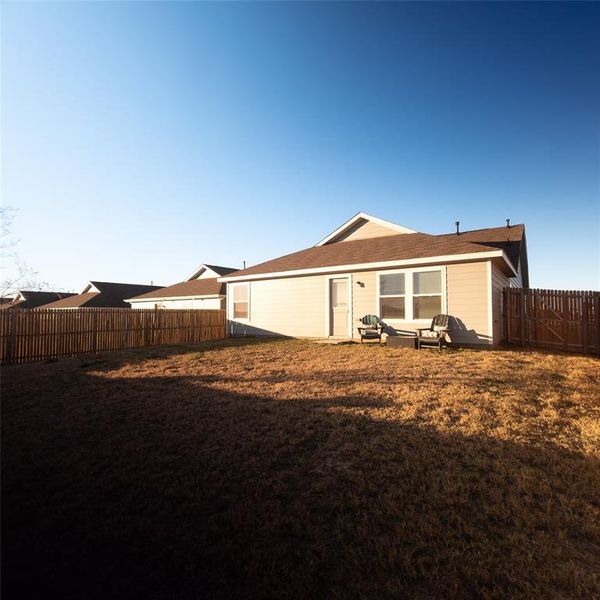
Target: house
372, 266
102, 294
202, 291
31, 299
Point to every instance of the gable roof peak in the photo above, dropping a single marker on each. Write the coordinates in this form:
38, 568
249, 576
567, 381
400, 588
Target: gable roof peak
364, 217
90, 286
218, 270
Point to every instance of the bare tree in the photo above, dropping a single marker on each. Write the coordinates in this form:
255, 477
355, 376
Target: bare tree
16, 274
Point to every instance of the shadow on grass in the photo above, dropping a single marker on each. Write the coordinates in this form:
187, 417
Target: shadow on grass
115, 358
165, 487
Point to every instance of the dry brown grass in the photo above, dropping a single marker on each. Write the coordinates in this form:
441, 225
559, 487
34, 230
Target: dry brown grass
293, 470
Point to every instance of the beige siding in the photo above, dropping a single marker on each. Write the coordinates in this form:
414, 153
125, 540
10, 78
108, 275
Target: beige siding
298, 306
363, 230
208, 274
364, 297
148, 304
466, 299
499, 282
293, 307
183, 303
365, 302
468, 302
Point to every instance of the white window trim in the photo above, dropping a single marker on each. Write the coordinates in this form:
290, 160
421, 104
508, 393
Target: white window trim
328, 279
230, 294
404, 295
408, 293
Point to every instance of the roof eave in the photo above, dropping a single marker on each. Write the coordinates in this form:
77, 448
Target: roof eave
509, 263
447, 258
189, 297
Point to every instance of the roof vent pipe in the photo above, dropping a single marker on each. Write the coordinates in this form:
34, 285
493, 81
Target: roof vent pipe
244, 263
457, 227
508, 223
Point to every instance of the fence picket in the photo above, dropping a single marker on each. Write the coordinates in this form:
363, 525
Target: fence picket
40, 334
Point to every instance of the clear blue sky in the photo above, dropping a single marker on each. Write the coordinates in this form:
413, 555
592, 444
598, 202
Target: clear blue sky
142, 139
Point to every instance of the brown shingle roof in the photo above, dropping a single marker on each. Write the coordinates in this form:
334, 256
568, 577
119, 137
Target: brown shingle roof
382, 249
111, 295
35, 299
508, 239
196, 287
75, 301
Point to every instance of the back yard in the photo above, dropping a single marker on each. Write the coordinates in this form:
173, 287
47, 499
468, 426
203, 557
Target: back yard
293, 470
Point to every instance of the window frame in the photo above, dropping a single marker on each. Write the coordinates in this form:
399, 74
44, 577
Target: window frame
409, 295
232, 301
379, 275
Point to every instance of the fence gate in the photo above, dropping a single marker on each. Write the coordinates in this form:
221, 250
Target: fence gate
562, 320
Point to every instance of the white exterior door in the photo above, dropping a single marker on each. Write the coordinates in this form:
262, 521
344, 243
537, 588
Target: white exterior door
338, 303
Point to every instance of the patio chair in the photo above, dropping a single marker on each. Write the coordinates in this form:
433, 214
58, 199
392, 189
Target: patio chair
435, 334
371, 328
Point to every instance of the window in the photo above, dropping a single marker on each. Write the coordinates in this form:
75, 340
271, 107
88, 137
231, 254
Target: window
410, 295
392, 296
427, 294
240, 301
339, 293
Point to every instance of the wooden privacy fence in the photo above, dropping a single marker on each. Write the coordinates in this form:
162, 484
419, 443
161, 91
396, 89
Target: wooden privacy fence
563, 320
38, 334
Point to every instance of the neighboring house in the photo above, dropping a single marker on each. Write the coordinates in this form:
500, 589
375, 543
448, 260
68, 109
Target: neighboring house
102, 294
372, 266
29, 299
201, 291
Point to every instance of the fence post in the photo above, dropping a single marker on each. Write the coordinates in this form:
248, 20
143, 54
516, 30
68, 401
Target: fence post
528, 299
532, 321
565, 321
584, 322
597, 320
126, 328
505, 314
12, 332
154, 333
95, 330
522, 315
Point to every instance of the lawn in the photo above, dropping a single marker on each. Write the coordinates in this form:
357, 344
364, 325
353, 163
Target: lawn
287, 469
